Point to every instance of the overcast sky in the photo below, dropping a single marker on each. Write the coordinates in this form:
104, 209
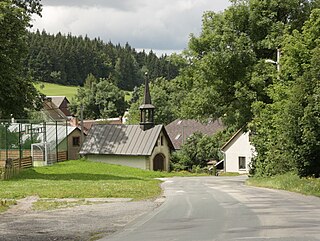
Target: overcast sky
161, 25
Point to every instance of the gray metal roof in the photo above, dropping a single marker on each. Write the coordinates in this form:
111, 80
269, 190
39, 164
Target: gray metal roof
120, 140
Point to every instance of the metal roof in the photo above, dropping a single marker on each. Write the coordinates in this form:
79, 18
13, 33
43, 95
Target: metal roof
120, 140
180, 130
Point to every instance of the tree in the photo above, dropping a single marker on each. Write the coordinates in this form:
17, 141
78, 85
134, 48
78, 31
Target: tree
16, 91
166, 96
225, 60
286, 131
99, 99
198, 149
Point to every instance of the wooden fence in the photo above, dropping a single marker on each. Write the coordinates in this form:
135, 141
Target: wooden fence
8, 171
16, 165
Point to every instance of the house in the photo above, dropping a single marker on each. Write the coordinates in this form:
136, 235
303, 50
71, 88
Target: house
62, 103
179, 130
238, 152
51, 112
145, 146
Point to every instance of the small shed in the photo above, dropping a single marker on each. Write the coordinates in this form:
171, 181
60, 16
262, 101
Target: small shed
238, 152
129, 145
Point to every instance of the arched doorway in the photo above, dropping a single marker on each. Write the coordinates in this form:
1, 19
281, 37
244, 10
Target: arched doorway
159, 162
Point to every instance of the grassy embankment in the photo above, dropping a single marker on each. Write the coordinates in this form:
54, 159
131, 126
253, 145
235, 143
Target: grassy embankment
289, 182
83, 179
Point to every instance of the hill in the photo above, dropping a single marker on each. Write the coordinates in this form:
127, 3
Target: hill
68, 60
57, 90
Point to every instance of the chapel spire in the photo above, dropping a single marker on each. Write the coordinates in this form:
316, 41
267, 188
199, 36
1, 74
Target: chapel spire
146, 109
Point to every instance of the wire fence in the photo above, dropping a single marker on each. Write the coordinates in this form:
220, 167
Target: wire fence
40, 143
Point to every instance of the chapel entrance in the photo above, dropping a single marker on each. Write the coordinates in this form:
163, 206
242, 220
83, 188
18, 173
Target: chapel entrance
158, 162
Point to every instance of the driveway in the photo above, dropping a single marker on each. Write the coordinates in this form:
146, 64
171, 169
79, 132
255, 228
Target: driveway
223, 208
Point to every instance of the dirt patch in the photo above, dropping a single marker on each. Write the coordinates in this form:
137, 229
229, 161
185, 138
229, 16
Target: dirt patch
81, 223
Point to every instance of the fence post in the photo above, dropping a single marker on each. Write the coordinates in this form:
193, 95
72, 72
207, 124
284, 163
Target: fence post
56, 141
67, 140
20, 145
6, 137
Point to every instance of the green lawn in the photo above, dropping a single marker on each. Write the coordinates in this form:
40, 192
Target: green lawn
57, 90
289, 182
84, 179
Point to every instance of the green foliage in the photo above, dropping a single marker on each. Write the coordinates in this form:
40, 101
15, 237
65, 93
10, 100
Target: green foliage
198, 150
68, 60
99, 99
166, 96
227, 61
287, 136
16, 90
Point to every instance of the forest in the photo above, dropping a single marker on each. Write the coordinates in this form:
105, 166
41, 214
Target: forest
68, 60
226, 72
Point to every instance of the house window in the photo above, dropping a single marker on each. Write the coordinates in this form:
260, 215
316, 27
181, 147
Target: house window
76, 141
161, 140
242, 162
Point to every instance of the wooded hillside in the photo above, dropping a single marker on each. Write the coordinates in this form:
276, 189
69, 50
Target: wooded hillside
67, 60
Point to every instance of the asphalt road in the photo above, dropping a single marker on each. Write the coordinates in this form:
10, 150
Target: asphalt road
223, 208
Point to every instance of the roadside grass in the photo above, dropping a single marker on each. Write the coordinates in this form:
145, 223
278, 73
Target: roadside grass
82, 179
288, 182
44, 205
57, 90
5, 204
85, 179
229, 174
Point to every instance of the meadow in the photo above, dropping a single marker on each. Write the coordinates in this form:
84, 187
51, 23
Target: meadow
56, 90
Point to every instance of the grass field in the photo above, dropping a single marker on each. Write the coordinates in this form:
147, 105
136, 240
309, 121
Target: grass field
289, 182
84, 179
57, 90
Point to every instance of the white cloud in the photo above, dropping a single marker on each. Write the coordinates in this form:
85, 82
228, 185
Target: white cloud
157, 24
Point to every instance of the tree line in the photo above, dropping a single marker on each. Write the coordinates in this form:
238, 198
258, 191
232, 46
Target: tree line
228, 74
68, 60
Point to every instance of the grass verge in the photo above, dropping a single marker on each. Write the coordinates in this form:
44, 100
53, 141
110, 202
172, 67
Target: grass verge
43, 205
288, 182
84, 179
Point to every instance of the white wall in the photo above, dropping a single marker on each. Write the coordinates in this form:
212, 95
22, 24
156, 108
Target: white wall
238, 147
131, 161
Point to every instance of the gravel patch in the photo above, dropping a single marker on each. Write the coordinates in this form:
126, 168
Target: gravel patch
80, 223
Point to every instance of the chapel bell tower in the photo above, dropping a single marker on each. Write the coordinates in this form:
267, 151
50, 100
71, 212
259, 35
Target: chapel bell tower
146, 109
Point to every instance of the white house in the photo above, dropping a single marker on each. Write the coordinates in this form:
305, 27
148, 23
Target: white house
238, 152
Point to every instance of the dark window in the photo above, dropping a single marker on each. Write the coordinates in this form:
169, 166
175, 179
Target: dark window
242, 162
76, 141
161, 140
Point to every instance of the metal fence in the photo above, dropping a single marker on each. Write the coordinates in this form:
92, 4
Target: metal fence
43, 142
